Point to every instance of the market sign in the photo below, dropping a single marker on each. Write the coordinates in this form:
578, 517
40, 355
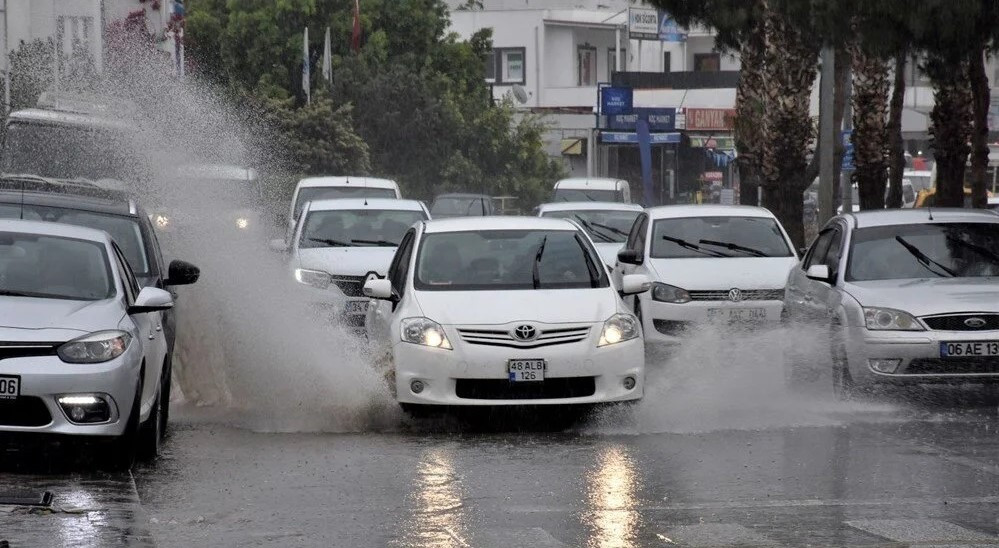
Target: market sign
615, 101
631, 138
659, 119
710, 119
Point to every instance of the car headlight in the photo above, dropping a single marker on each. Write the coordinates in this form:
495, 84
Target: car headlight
315, 278
889, 319
161, 221
619, 328
242, 223
96, 347
669, 293
426, 332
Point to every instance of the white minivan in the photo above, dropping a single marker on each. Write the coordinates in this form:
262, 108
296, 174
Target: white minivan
592, 190
490, 311
330, 188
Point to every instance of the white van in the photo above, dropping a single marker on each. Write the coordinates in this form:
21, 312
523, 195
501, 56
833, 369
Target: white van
331, 188
592, 190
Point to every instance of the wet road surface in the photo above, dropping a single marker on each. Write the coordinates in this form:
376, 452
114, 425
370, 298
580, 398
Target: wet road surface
900, 474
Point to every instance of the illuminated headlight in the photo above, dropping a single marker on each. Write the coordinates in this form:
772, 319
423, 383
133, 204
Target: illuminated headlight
85, 408
425, 332
242, 223
95, 348
669, 294
889, 319
315, 278
619, 328
161, 221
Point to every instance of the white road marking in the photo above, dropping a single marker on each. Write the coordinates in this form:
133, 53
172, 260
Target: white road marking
923, 531
716, 534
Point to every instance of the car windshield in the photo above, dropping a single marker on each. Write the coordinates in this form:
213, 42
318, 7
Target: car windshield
939, 250
68, 152
307, 194
585, 195
53, 267
456, 206
194, 193
125, 230
720, 237
357, 227
604, 225
507, 259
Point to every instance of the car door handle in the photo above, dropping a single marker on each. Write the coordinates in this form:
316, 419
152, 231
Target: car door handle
159, 327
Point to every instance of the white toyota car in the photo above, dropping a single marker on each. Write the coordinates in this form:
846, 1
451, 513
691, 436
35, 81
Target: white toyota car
337, 243
709, 264
608, 223
496, 311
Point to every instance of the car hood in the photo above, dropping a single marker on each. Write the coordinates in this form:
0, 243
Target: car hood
76, 317
347, 261
608, 252
718, 274
501, 307
924, 297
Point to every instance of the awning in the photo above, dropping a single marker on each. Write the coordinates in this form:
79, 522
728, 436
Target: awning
631, 138
572, 147
722, 142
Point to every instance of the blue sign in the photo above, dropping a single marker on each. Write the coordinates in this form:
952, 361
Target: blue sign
631, 138
659, 119
669, 31
847, 151
614, 101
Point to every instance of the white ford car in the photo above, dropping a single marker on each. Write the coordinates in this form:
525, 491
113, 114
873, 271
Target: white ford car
607, 223
337, 243
709, 263
505, 311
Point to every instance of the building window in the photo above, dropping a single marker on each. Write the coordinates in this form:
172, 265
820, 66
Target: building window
612, 62
587, 65
506, 66
667, 61
707, 62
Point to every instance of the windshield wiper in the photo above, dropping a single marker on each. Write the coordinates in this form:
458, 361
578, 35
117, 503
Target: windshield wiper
693, 247
536, 270
983, 251
330, 242
923, 258
9, 293
734, 247
592, 228
380, 243
590, 265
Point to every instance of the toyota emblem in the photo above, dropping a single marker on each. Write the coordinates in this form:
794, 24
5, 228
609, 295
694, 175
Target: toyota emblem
525, 333
975, 323
734, 295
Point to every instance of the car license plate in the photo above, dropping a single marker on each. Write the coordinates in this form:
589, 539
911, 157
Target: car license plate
526, 370
737, 314
969, 348
356, 307
10, 387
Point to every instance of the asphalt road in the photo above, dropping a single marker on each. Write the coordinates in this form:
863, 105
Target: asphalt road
918, 468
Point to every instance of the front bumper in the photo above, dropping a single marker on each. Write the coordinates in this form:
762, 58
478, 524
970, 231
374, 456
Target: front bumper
456, 377
668, 323
45, 378
918, 355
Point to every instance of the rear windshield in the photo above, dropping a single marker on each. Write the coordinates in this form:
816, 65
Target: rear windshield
604, 226
53, 267
722, 237
459, 207
357, 227
311, 194
507, 259
944, 250
581, 195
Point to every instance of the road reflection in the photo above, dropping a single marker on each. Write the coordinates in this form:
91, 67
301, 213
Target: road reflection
437, 516
611, 512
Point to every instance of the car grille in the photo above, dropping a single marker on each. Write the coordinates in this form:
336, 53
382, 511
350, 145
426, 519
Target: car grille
671, 327
502, 389
747, 295
24, 411
956, 322
502, 337
27, 349
351, 286
953, 366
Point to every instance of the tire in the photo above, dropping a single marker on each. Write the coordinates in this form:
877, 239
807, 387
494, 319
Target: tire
165, 386
638, 314
797, 374
417, 411
151, 431
121, 451
844, 386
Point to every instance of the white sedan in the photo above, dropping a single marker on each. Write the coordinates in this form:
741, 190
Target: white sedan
709, 264
505, 311
607, 223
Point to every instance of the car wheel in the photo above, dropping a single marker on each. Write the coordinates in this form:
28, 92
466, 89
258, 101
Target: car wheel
844, 387
151, 431
638, 314
798, 373
165, 386
120, 454
416, 410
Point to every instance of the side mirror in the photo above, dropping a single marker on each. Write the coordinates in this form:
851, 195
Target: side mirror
378, 288
632, 284
151, 299
182, 273
819, 273
630, 256
278, 245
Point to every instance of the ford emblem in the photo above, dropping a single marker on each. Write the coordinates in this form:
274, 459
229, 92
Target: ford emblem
975, 323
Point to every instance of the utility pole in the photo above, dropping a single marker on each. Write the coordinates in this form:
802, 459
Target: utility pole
827, 135
845, 186
6, 63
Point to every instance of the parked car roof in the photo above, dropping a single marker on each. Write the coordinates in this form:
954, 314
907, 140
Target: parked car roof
463, 224
362, 203
54, 229
65, 194
580, 206
888, 217
707, 210
351, 180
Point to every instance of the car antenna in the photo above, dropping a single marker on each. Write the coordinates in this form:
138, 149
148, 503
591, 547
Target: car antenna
22, 199
930, 211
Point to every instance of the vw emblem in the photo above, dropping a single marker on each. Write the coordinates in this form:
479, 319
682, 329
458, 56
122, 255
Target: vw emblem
734, 295
975, 323
525, 333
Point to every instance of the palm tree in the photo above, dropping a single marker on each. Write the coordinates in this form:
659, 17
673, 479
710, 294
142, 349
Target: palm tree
870, 135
